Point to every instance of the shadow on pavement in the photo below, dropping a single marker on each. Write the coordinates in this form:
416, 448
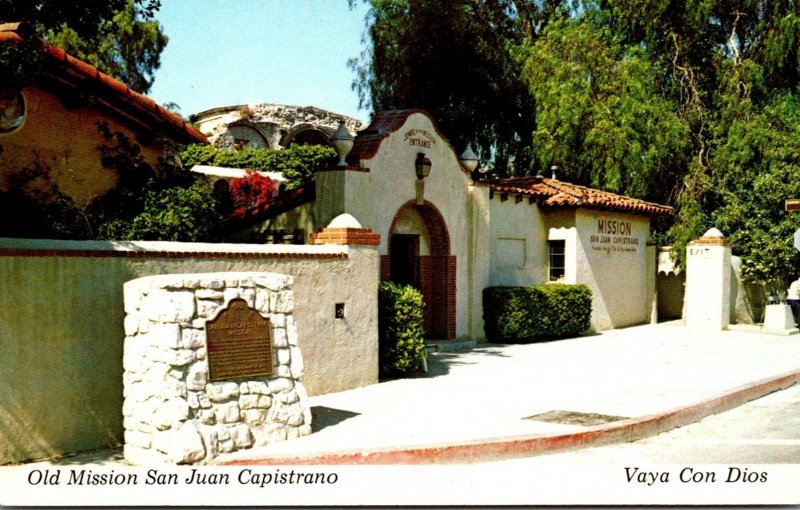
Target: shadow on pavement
322, 417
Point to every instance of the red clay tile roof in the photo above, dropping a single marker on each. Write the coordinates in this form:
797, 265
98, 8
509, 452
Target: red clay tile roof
114, 93
368, 140
551, 193
383, 124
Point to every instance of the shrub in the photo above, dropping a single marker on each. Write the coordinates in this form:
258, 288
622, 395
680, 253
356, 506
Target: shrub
513, 314
198, 154
251, 190
169, 214
299, 163
401, 337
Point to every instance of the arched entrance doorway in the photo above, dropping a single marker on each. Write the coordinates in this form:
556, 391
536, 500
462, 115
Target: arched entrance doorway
419, 255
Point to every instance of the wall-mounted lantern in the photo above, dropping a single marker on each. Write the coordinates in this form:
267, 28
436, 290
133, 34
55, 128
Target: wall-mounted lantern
422, 165
342, 141
468, 159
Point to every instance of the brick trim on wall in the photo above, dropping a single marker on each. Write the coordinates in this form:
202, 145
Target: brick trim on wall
343, 235
386, 268
13, 252
710, 241
12, 247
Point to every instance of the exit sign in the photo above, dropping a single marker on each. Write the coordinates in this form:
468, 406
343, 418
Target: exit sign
792, 204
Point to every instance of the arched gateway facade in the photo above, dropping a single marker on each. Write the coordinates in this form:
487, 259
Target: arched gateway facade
424, 224
419, 255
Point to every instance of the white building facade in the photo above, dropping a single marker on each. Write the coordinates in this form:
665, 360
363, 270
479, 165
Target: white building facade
452, 237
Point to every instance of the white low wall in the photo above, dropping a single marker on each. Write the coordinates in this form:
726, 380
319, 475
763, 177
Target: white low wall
62, 315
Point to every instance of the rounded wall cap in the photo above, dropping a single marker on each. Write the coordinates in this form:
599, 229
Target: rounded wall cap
344, 221
713, 232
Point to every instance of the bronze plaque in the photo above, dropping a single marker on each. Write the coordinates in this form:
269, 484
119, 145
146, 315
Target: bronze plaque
239, 342
792, 204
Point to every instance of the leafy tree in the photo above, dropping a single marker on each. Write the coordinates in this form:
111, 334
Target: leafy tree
119, 37
299, 163
169, 214
126, 47
83, 16
600, 115
454, 60
198, 154
743, 165
754, 168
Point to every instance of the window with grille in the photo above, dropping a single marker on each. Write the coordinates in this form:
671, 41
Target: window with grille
556, 260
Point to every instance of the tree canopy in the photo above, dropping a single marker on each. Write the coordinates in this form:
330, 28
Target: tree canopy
119, 37
452, 60
127, 47
85, 17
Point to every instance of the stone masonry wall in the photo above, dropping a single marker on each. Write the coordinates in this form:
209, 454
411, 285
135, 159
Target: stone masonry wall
172, 412
274, 121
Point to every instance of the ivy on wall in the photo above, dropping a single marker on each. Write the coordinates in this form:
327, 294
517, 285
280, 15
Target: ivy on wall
298, 163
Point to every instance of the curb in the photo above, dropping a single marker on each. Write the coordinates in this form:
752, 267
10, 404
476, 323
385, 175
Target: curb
522, 446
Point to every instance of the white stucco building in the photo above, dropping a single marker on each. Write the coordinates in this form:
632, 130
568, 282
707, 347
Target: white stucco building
452, 237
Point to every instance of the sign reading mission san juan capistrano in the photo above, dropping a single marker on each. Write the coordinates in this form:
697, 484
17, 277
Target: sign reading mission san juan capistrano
614, 236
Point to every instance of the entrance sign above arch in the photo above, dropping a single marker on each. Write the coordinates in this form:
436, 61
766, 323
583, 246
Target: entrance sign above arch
379, 187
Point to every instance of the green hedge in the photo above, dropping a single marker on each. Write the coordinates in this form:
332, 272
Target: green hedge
401, 338
514, 314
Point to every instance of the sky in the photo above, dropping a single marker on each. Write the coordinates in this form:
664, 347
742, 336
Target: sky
228, 52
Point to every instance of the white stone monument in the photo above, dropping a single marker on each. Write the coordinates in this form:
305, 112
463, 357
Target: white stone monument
708, 282
211, 366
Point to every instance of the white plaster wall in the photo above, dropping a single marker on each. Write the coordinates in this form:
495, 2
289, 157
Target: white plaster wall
330, 197
617, 273
62, 318
375, 197
479, 258
517, 228
651, 269
707, 303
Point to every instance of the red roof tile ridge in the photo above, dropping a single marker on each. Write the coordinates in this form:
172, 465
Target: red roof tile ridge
560, 193
11, 32
382, 124
576, 191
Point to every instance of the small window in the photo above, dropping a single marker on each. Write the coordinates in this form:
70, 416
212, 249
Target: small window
12, 110
556, 260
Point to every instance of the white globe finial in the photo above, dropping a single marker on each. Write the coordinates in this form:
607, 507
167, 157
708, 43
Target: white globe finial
468, 159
